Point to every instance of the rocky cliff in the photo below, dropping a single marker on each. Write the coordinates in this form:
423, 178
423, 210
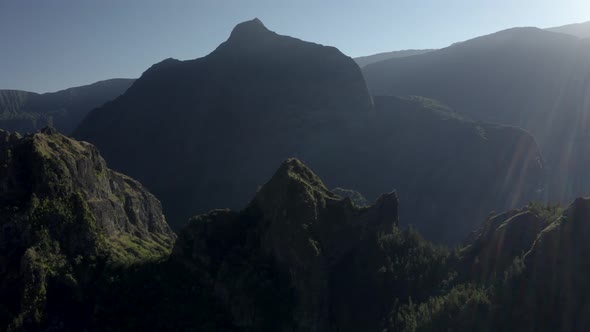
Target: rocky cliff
556, 273
64, 217
298, 258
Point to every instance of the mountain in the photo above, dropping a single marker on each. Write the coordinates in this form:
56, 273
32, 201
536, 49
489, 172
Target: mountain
205, 133
85, 248
525, 77
555, 264
316, 244
300, 258
369, 59
216, 125
580, 30
450, 172
65, 219
297, 258
536, 256
504, 237
24, 111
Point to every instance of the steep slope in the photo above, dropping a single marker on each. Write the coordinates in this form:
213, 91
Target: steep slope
525, 77
300, 258
297, 258
580, 30
530, 272
215, 127
369, 59
535, 259
24, 111
64, 218
557, 266
449, 172
505, 237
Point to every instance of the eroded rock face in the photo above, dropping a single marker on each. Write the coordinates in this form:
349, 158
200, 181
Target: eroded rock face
502, 239
537, 260
301, 238
63, 217
557, 271
48, 164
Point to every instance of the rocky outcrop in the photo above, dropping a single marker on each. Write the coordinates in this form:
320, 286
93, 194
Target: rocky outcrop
502, 239
308, 246
356, 197
556, 272
535, 259
64, 217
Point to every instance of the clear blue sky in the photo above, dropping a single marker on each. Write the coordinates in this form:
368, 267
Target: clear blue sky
47, 45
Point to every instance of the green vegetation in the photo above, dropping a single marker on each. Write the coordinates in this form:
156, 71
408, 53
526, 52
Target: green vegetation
127, 249
464, 308
356, 197
67, 227
548, 212
85, 248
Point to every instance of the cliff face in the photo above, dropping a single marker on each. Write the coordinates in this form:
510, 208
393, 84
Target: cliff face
536, 261
309, 246
502, 239
450, 172
557, 271
64, 216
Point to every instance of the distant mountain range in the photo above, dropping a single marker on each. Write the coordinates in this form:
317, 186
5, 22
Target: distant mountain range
216, 126
24, 111
526, 77
367, 60
580, 30
84, 247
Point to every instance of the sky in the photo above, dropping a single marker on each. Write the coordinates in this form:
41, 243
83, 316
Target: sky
49, 45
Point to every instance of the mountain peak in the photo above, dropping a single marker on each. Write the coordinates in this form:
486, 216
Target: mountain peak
296, 175
254, 23
249, 29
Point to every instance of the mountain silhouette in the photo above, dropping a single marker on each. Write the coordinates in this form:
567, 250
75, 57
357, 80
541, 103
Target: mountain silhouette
580, 30
205, 133
525, 77
24, 111
369, 59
